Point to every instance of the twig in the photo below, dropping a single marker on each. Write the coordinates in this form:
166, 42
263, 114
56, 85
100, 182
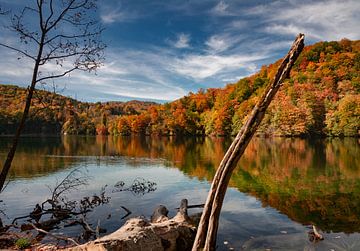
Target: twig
29, 216
55, 236
97, 230
128, 212
193, 206
86, 226
316, 233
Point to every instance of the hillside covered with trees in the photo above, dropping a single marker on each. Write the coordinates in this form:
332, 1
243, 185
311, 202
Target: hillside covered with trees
322, 97
52, 113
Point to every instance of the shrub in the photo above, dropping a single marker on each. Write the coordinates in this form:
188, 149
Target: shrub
23, 243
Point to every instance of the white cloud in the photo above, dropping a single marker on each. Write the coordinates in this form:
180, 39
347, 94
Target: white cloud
182, 41
227, 41
200, 67
238, 24
112, 17
217, 43
113, 14
10, 66
113, 68
320, 20
236, 46
221, 8
126, 73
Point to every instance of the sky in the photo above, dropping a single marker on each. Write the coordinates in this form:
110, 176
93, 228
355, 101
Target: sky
162, 50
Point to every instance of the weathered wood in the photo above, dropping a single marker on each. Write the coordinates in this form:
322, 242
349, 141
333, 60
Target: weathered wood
161, 233
208, 226
193, 206
160, 214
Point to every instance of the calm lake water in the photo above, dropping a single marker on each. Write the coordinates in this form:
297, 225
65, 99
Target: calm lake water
280, 188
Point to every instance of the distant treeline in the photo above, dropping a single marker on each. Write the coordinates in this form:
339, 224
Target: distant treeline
51, 113
322, 97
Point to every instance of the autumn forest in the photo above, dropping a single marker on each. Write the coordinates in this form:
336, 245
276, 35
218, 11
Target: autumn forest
322, 97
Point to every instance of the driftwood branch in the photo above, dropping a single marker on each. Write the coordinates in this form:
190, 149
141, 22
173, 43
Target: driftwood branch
64, 238
193, 206
160, 234
314, 235
208, 226
128, 212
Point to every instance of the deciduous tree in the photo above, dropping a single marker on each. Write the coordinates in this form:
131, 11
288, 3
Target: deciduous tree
65, 37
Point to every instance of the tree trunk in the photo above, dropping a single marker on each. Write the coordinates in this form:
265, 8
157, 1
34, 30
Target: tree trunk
208, 226
11, 153
161, 234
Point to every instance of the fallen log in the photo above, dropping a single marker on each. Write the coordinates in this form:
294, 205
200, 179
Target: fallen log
208, 226
161, 233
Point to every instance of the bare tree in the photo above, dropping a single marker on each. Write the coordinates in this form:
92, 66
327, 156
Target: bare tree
61, 35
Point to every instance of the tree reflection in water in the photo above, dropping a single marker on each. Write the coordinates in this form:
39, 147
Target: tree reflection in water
310, 181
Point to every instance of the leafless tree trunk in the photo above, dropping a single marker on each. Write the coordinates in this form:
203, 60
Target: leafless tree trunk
208, 226
66, 37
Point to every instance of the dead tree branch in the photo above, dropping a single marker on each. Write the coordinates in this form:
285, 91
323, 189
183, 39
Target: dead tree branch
60, 237
208, 226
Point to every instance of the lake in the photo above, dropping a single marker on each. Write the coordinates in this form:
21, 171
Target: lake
281, 187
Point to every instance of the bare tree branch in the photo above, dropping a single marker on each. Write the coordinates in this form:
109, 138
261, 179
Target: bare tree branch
19, 27
51, 13
72, 36
60, 17
60, 237
40, 4
57, 76
69, 55
18, 50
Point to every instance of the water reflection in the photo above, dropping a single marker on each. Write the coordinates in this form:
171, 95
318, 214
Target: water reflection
312, 182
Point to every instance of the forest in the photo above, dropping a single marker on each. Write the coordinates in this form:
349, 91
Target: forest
321, 97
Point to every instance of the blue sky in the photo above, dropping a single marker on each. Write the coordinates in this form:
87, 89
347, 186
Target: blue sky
162, 50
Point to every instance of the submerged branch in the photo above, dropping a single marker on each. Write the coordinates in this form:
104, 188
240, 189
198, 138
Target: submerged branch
60, 237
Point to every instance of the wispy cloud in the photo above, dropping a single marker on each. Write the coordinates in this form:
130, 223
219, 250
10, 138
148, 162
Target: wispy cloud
200, 67
10, 69
221, 8
320, 20
111, 14
222, 40
182, 41
130, 73
217, 43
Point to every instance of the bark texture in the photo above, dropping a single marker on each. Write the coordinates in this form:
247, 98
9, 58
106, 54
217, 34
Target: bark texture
160, 234
208, 226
